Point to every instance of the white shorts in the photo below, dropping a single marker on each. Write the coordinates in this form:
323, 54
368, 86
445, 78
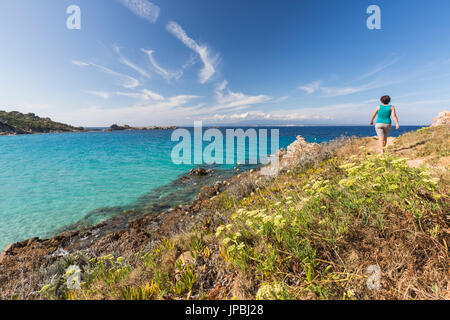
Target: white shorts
383, 129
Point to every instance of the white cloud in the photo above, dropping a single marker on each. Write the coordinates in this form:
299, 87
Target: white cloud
378, 68
283, 115
143, 9
316, 86
311, 87
127, 81
235, 100
152, 95
209, 62
143, 95
80, 63
169, 111
168, 75
221, 86
131, 64
101, 94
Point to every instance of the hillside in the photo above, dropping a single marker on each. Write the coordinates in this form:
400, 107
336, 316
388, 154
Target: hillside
15, 122
339, 222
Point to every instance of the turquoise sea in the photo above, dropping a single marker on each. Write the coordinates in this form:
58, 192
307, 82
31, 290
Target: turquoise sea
53, 182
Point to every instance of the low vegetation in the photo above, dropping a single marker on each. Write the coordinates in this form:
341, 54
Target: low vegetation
17, 123
356, 225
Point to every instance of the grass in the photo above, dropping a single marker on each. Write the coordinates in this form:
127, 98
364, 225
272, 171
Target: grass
314, 232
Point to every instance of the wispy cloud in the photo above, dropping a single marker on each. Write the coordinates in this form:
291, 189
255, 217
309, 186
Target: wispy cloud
143, 95
378, 68
143, 9
100, 94
262, 115
228, 99
80, 63
127, 62
168, 75
126, 81
169, 111
311, 87
316, 86
349, 88
209, 62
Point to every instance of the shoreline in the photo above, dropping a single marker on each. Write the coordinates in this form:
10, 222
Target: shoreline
131, 217
166, 221
118, 222
127, 235
4, 134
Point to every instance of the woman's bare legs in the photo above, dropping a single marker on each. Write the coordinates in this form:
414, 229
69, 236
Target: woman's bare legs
383, 141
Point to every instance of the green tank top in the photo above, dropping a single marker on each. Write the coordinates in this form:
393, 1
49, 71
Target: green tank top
384, 114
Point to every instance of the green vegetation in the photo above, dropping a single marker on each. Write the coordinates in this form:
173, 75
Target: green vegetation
310, 233
17, 123
429, 142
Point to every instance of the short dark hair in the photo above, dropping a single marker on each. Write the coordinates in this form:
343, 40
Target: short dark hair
385, 99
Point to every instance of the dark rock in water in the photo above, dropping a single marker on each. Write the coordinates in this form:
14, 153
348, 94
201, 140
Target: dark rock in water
200, 172
116, 127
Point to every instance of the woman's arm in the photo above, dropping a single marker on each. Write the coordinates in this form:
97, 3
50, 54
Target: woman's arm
394, 115
374, 115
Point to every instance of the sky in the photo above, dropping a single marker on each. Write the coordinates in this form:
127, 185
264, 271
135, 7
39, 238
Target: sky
173, 62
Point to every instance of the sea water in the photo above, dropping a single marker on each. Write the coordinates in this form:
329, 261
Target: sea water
51, 182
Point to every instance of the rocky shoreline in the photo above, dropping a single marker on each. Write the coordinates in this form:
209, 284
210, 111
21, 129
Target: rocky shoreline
25, 266
129, 232
17, 123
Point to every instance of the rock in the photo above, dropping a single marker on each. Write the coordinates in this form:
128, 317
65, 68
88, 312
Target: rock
443, 118
297, 152
60, 252
116, 127
6, 251
186, 258
200, 172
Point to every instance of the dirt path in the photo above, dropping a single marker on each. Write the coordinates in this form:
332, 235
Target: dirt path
373, 145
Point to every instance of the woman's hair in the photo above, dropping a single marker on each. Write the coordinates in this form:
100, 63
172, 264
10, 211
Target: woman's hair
385, 99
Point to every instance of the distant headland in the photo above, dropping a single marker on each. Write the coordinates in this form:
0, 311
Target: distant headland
14, 122
116, 127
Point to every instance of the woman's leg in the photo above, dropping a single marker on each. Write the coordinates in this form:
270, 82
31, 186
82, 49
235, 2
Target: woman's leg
381, 140
387, 130
381, 136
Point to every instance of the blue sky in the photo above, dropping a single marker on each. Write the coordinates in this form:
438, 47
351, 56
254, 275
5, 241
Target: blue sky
176, 61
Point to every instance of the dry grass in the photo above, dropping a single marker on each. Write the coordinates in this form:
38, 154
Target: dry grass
310, 233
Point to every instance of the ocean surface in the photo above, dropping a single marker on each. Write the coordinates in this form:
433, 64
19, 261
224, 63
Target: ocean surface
55, 182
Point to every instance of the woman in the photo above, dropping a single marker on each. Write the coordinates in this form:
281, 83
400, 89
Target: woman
383, 125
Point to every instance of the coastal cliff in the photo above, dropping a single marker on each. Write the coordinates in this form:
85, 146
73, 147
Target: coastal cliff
339, 221
14, 122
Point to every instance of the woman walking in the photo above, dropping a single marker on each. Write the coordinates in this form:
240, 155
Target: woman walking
383, 125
